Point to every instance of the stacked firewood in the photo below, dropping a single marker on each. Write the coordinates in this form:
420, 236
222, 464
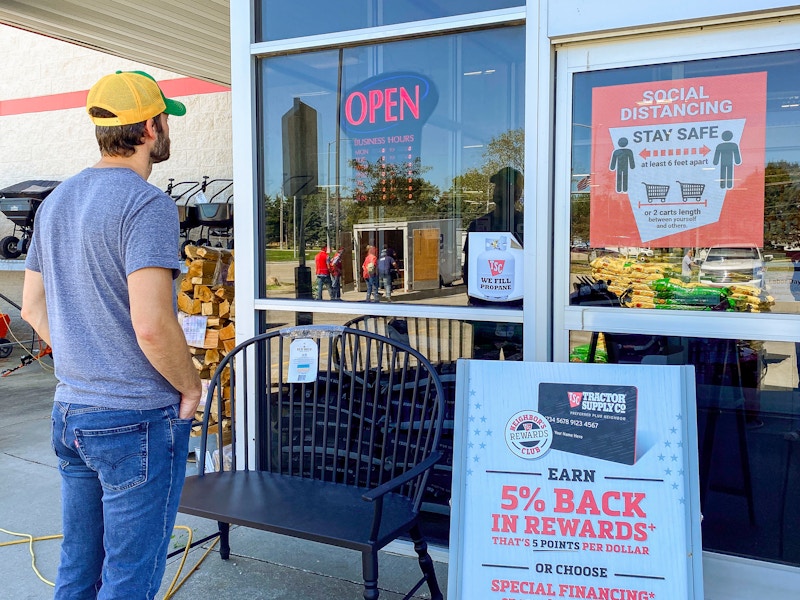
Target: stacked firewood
207, 291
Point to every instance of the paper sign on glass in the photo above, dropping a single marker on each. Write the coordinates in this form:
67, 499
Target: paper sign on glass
303, 355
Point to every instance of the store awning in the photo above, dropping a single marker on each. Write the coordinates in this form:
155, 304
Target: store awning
189, 37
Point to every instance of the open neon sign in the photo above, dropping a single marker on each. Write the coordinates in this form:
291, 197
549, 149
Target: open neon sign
389, 100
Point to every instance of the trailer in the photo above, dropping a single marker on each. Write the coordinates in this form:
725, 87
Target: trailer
427, 252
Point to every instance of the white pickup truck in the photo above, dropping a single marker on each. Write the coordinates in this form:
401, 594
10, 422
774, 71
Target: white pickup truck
724, 266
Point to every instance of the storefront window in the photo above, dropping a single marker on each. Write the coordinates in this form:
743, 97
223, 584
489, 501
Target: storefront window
748, 436
685, 185
282, 20
392, 157
442, 342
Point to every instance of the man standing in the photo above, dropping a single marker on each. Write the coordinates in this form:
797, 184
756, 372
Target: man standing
386, 265
99, 290
687, 263
369, 270
335, 266
323, 273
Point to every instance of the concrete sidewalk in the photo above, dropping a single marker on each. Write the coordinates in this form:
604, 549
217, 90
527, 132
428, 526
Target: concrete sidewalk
261, 565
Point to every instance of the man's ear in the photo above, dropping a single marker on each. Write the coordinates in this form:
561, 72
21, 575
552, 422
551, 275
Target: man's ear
150, 131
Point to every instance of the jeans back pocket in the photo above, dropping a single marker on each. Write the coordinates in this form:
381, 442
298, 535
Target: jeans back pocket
118, 455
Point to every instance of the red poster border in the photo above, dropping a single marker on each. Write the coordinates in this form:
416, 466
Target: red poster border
612, 222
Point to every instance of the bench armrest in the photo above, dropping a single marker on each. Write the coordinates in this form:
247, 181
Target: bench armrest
395, 483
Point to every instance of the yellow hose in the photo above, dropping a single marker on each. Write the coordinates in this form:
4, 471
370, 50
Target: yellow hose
172, 586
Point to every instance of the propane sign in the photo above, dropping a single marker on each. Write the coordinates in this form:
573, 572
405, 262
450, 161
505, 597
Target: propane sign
495, 272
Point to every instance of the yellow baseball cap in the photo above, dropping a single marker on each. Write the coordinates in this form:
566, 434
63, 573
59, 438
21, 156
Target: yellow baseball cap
134, 96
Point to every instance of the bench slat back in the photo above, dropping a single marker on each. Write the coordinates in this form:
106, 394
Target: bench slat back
373, 410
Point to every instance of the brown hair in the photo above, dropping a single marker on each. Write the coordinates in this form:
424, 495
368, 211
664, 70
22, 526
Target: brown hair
119, 140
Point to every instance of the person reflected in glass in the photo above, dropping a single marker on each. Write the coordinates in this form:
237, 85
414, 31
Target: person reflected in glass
323, 273
335, 268
369, 271
386, 266
492, 339
687, 263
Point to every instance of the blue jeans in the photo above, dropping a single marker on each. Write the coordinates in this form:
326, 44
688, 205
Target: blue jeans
122, 472
323, 281
386, 280
372, 287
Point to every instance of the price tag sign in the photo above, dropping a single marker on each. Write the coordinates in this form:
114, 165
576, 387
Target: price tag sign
194, 328
303, 357
575, 481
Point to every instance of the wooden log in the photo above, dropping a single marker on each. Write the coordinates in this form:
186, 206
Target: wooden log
186, 285
225, 376
209, 309
230, 276
202, 280
228, 332
204, 293
212, 338
188, 304
191, 253
201, 268
214, 254
212, 356
224, 292
224, 308
228, 345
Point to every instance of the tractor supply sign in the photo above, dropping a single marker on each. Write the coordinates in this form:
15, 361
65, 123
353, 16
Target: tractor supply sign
679, 163
575, 481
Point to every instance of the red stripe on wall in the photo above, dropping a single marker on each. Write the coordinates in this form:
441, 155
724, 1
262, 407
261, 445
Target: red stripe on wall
172, 88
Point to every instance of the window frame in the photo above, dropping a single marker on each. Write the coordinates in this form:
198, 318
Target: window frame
376, 35
657, 49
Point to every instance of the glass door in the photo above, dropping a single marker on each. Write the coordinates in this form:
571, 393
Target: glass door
677, 220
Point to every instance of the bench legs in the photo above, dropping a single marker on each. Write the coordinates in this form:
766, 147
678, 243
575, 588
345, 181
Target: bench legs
224, 540
425, 562
369, 568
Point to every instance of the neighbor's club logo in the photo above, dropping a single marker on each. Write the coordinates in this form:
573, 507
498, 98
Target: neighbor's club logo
575, 399
496, 267
528, 434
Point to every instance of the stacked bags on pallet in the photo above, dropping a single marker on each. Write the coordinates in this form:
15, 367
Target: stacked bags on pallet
660, 285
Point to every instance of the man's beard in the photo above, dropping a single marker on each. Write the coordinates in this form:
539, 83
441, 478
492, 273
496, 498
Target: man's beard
160, 151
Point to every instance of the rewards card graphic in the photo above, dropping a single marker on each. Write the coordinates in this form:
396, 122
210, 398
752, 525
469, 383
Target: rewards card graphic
592, 420
679, 163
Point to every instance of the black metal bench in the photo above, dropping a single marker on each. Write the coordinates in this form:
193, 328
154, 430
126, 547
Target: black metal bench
340, 455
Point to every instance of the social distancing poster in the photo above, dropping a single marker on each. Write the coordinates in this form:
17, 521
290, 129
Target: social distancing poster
679, 163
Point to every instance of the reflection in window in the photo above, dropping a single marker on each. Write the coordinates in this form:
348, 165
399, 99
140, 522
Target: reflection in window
393, 149
281, 20
442, 342
748, 433
688, 199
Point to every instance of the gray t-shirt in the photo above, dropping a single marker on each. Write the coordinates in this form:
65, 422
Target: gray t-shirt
90, 233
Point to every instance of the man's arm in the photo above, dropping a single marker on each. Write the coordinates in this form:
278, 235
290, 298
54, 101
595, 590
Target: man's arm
160, 336
34, 304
